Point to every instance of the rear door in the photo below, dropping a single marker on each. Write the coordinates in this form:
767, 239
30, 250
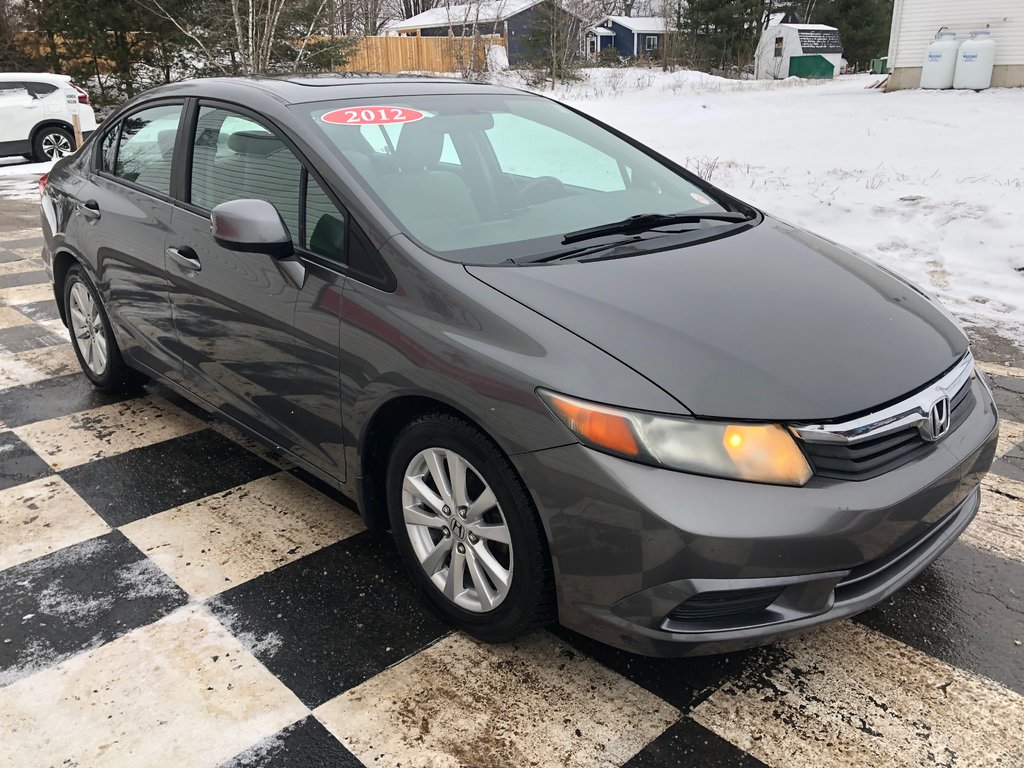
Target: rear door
20, 112
120, 223
235, 313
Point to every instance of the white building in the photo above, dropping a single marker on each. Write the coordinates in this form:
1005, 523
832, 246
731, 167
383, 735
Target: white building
798, 50
915, 22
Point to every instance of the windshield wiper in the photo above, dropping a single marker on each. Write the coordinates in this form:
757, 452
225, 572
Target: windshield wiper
574, 253
643, 222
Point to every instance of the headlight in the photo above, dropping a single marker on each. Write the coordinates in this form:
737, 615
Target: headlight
761, 453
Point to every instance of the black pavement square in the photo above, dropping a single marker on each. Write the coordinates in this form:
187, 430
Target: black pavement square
18, 462
964, 609
15, 279
682, 682
41, 311
22, 338
52, 398
333, 619
6, 256
688, 743
75, 599
305, 744
143, 481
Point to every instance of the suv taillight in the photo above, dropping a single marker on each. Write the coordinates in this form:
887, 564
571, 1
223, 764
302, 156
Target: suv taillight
42, 184
83, 97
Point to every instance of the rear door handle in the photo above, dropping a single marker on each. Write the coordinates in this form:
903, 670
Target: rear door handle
90, 209
184, 257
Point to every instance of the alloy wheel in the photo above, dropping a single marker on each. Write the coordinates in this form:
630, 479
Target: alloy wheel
56, 145
457, 530
87, 326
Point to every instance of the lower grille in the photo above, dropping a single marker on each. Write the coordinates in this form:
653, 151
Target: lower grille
871, 458
708, 606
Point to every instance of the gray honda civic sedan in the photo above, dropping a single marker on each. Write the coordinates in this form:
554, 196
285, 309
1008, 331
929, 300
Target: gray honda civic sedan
575, 381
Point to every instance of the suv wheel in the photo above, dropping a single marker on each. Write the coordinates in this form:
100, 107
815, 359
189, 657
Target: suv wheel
92, 336
52, 143
467, 529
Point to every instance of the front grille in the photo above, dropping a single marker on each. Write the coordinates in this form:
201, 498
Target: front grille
708, 606
871, 458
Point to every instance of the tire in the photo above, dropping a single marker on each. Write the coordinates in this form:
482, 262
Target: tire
92, 337
495, 613
52, 143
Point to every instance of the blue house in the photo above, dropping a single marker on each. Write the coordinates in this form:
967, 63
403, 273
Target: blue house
510, 19
631, 36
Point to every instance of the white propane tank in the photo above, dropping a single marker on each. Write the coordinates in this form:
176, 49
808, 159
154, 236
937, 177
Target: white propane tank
940, 61
974, 62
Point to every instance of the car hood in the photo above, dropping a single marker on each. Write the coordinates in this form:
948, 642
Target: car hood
773, 323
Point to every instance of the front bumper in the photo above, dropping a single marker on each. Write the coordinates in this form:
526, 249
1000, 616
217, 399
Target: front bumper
631, 543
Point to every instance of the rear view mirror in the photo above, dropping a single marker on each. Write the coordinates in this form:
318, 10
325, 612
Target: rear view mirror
253, 226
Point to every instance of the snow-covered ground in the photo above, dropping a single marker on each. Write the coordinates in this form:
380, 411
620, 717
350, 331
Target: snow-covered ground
19, 178
929, 183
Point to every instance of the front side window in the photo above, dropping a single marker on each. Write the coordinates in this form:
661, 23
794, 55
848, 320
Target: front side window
652, 42
145, 148
236, 158
485, 178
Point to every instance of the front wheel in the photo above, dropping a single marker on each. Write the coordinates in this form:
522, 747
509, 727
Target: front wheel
92, 336
467, 530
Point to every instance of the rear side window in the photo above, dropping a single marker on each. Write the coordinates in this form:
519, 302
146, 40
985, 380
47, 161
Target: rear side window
235, 158
39, 90
145, 149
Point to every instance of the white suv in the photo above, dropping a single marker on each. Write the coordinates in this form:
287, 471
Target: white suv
35, 115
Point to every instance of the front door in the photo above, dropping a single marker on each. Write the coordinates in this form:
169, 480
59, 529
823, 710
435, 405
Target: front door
242, 348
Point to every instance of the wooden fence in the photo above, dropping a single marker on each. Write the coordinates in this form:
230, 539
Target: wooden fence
420, 54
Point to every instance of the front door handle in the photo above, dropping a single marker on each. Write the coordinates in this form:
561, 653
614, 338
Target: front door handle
90, 209
185, 257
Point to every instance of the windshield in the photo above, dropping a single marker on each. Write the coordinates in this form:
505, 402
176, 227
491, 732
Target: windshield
485, 179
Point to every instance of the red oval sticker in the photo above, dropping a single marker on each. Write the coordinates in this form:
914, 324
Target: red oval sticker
372, 115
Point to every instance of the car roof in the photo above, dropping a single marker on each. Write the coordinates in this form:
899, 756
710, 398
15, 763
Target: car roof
299, 89
41, 77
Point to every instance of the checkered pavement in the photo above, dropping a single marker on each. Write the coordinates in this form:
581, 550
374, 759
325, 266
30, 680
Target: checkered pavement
172, 594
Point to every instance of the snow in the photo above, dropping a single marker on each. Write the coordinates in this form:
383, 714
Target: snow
651, 24
488, 11
19, 178
929, 183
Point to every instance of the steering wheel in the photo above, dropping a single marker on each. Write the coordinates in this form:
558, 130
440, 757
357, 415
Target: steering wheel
537, 191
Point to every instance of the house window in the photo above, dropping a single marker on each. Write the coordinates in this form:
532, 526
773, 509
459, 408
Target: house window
591, 46
652, 42
778, 47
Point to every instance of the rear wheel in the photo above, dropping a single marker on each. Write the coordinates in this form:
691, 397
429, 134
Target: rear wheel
52, 143
92, 336
467, 530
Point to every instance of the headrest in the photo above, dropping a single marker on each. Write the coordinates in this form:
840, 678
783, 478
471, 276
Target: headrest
165, 141
419, 145
254, 142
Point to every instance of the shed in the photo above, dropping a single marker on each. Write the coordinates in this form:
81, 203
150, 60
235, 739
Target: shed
800, 50
629, 35
915, 22
510, 19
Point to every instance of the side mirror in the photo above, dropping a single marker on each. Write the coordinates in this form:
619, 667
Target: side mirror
253, 226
